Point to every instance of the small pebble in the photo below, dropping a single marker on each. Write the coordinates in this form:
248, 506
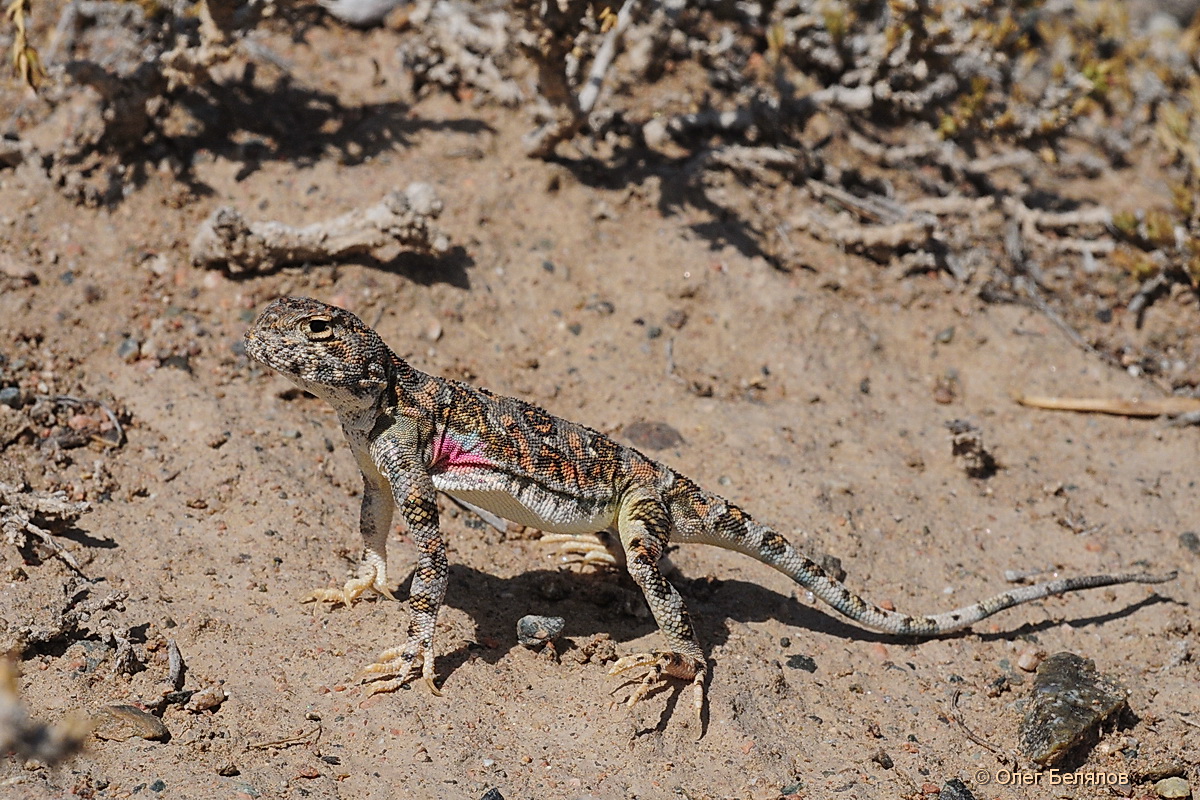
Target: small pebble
533, 630
129, 350
1172, 787
10, 396
1188, 540
653, 435
805, 663
955, 789
178, 361
676, 318
206, 698
1030, 658
290, 434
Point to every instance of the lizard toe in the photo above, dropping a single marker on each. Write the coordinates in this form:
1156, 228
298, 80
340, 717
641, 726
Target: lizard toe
660, 666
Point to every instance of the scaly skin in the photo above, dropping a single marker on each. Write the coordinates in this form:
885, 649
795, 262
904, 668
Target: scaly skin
414, 435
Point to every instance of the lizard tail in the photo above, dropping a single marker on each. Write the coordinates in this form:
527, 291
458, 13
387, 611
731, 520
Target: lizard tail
705, 518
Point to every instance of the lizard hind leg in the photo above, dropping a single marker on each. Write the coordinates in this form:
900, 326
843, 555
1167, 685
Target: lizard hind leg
644, 524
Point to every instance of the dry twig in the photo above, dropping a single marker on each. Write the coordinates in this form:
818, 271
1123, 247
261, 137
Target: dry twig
1154, 407
20, 507
227, 239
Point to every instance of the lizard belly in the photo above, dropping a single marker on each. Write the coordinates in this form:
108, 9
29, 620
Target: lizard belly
544, 512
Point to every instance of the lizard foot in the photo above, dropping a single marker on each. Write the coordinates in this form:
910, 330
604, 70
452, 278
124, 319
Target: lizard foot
584, 549
661, 665
369, 577
400, 665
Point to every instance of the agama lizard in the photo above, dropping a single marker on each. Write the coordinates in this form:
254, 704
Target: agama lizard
414, 435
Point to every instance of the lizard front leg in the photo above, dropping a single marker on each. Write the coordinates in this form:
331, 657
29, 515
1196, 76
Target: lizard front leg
374, 522
644, 525
414, 494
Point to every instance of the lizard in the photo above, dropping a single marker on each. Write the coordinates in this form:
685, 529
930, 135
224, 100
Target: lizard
413, 435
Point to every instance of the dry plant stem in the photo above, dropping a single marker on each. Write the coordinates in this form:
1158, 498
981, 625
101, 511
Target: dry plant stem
1155, 407
604, 56
227, 239
19, 509
188, 66
1190, 418
1027, 280
176, 666
1032, 222
895, 227
554, 27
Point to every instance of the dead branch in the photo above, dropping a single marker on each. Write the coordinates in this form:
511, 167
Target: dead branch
227, 239
1033, 221
23, 512
891, 227
553, 28
461, 45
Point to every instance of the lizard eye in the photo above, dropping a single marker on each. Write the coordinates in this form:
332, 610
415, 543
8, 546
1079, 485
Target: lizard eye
319, 328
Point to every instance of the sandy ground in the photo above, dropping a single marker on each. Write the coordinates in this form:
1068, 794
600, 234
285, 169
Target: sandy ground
816, 399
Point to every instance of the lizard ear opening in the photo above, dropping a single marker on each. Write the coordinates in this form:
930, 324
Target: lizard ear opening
318, 328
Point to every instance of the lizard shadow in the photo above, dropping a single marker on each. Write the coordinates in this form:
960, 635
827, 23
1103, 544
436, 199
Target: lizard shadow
610, 603
749, 602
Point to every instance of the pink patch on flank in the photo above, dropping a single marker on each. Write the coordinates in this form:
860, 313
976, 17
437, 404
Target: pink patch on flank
449, 452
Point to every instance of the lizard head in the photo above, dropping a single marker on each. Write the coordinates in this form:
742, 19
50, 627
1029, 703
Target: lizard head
321, 348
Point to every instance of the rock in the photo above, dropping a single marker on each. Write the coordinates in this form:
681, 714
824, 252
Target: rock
1030, 658
361, 13
121, 722
1173, 787
205, 699
955, 789
1069, 703
653, 435
533, 630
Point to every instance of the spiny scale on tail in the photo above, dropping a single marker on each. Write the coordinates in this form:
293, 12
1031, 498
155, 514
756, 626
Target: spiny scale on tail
703, 517
414, 434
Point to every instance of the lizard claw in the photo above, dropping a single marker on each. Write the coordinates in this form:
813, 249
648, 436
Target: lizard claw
370, 577
402, 664
661, 665
584, 549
